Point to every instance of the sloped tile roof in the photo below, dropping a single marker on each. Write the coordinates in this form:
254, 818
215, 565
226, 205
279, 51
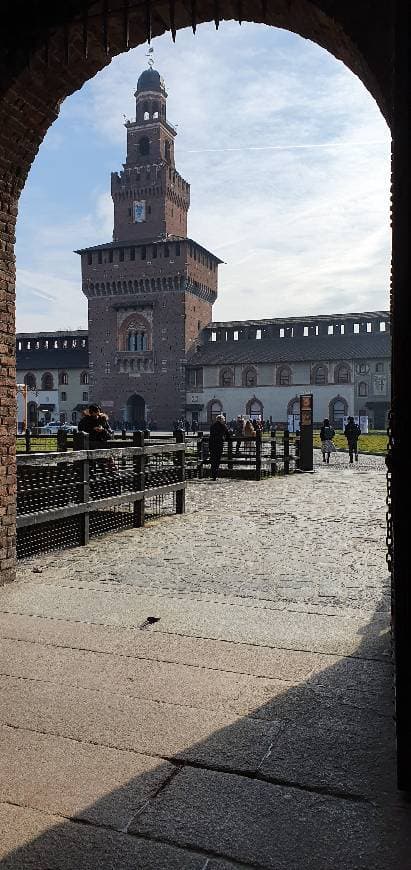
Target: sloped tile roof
54, 358
307, 349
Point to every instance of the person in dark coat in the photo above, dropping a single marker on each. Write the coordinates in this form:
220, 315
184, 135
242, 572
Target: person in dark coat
352, 432
326, 437
95, 424
218, 434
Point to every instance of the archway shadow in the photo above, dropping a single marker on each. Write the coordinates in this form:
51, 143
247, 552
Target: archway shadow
304, 781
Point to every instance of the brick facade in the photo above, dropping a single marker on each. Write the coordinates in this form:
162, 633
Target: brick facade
150, 291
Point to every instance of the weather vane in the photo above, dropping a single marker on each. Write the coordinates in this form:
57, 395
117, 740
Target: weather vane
150, 57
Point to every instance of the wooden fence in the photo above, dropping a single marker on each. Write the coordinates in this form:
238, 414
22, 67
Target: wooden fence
64, 499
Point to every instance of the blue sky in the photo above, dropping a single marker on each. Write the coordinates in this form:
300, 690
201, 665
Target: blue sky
288, 158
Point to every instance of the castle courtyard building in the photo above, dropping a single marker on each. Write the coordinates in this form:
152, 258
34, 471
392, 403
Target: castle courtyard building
261, 367
54, 368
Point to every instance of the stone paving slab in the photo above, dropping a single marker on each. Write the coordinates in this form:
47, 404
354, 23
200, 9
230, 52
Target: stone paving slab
276, 827
186, 684
324, 749
31, 840
222, 739
57, 775
304, 630
270, 662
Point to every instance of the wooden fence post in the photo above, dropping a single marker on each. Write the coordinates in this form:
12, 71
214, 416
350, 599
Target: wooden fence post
273, 452
230, 463
61, 441
139, 471
258, 456
297, 449
200, 455
286, 451
181, 456
85, 524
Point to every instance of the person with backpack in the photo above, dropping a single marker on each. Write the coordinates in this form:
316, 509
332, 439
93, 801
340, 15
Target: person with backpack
326, 437
352, 432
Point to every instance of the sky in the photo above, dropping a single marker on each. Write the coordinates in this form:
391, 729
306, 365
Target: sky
288, 157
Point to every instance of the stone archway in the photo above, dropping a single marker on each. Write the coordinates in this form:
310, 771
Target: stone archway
135, 412
48, 52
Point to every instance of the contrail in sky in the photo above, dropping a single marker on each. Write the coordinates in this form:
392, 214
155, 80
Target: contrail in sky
287, 147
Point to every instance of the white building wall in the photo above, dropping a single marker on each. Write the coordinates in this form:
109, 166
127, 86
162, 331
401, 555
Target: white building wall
274, 399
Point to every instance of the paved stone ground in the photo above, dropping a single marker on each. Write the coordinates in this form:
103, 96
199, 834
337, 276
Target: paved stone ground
250, 726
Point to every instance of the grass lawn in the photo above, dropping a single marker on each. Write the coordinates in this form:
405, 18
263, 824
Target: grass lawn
374, 442
38, 445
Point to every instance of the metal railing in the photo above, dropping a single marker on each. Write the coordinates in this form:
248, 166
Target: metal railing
64, 499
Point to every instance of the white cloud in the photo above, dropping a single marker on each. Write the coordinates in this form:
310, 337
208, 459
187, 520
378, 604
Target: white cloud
288, 159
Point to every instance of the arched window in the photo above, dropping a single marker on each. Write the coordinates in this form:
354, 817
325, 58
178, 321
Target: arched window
249, 377
63, 379
30, 381
342, 374
144, 146
84, 378
226, 378
363, 388
284, 376
293, 407
255, 409
214, 408
320, 375
338, 409
47, 381
167, 151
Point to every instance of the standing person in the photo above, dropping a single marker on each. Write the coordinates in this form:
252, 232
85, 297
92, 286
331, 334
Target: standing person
352, 432
218, 434
238, 432
249, 430
187, 426
194, 426
326, 437
96, 425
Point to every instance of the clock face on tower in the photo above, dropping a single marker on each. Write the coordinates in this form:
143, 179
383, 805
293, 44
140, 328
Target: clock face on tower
139, 211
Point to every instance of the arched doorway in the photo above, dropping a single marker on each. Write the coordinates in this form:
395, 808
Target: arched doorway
135, 413
50, 56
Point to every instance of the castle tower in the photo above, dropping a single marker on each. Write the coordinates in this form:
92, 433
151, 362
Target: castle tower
150, 291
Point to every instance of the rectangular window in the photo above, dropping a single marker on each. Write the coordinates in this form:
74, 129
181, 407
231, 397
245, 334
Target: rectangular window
356, 328
305, 332
85, 397
110, 255
121, 253
132, 253
178, 249
382, 326
258, 334
166, 251
379, 367
330, 329
235, 336
143, 252
154, 252
63, 396
100, 257
89, 259
282, 331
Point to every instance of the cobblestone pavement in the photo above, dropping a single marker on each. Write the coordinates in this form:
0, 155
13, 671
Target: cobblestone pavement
211, 692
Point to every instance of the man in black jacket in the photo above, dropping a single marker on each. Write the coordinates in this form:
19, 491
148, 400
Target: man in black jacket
218, 434
352, 432
96, 425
